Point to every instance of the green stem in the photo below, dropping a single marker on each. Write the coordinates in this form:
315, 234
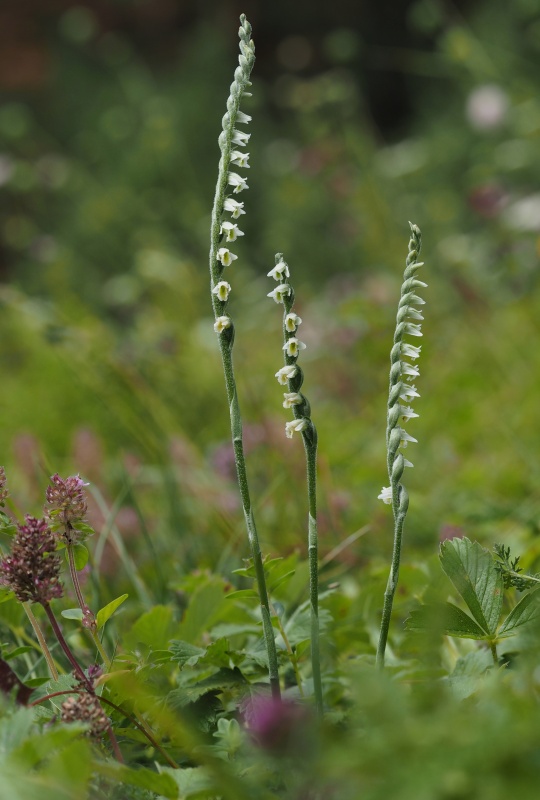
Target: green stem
236, 428
292, 657
394, 433
89, 620
226, 340
493, 648
391, 586
41, 639
310, 445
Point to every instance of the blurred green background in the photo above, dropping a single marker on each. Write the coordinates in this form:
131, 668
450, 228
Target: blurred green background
365, 115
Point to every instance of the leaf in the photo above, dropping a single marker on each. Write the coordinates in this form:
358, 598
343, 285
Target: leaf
223, 679
80, 556
19, 651
281, 580
5, 594
469, 672
186, 653
142, 777
191, 781
235, 629
105, 613
444, 618
472, 570
83, 527
7, 525
298, 627
206, 607
216, 654
242, 593
526, 610
72, 613
154, 629
14, 728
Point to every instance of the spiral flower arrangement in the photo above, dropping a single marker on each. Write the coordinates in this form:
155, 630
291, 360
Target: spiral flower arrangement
401, 393
292, 376
223, 232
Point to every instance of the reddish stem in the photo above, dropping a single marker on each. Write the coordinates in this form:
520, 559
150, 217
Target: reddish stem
65, 647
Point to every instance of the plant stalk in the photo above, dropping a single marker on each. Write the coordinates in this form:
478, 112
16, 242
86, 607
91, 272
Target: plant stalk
226, 340
89, 620
41, 639
65, 647
310, 445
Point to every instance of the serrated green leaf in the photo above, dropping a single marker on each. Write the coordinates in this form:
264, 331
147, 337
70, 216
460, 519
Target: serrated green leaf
472, 570
216, 654
72, 613
80, 556
185, 653
526, 610
220, 680
104, 614
444, 618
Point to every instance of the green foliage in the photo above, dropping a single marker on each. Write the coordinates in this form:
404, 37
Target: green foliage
107, 354
104, 614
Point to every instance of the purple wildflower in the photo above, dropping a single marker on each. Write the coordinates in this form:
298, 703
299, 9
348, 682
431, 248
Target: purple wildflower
277, 725
66, 500
32, 570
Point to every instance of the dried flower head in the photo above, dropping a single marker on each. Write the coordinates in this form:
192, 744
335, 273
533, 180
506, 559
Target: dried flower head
32, 570
85, 707
66, 499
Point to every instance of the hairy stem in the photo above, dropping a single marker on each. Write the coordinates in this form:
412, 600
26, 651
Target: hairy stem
391, 586
310, 445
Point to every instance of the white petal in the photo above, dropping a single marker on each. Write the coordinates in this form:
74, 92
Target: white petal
386, 495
